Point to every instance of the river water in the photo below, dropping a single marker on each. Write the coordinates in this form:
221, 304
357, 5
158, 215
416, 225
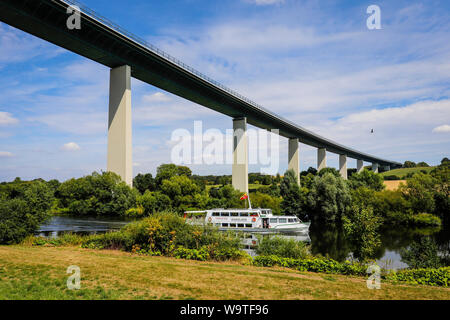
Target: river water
326, 241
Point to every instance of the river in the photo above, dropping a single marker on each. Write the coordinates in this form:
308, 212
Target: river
326, 241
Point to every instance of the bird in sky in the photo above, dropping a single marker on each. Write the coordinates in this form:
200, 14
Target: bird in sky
371, 131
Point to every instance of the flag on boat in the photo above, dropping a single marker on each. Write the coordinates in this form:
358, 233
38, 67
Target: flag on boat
244, 197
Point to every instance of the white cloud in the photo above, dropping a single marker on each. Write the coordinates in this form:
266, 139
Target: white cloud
71, 146
442, 129
5, 154
156, 97
6, 118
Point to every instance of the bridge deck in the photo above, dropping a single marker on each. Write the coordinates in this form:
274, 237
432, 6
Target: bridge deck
106, 43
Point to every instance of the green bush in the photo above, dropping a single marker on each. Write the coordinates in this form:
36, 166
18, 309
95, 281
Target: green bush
430, 277
23, 210
165, 233
102, 194
312, 265
282, 247
425, 219
368, 179
391, 177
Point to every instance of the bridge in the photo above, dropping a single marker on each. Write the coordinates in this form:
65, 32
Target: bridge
129, 56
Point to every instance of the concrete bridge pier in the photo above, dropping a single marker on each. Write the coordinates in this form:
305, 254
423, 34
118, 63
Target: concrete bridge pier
375, 167
359, 166
343, 166
240, 155
119, 124
321, 158
294, 158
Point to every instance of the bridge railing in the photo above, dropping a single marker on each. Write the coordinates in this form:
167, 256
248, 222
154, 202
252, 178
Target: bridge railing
86, 10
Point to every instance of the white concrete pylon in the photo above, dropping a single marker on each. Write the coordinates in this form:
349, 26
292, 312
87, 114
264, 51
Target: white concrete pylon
294, 158
240, 155
321, 159
343, 166
119, 125
359, 166
375, 167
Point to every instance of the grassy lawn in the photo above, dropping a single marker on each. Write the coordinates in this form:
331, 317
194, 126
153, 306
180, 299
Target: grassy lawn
402, 172
40, 273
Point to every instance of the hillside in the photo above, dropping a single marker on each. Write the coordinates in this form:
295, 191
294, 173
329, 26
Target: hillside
402, 172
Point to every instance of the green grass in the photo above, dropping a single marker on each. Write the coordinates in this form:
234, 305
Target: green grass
402, 172
28, 272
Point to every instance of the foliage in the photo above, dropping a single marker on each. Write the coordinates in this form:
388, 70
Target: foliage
294, 199
430, 277
425, 220
262, 200
329, 198
327, 170
361, 226
422, 254
419, 192
167, 171
282, 247
368, 179
102, 194
165, 233
409, 164
312, 265
144, 182
23, 209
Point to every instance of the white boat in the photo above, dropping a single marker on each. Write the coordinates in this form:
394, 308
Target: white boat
246, 220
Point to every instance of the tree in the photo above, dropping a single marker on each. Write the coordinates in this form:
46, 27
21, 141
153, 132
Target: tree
102, 194
409, 164
367, 178
419, 191
422, 164
361, 226
445, 160
144, 182
329, 198
23, 214
167, 171
292, 195
329, 170
422, 254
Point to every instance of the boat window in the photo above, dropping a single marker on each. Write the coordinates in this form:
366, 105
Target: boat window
240, 225
243, 214
272, 220
232, 225
248, 225
234, 214
282, 220
224, 224
215, 214
291, 220
224, 214
255, 214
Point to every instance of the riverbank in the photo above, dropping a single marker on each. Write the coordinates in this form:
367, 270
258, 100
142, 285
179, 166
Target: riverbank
40, 273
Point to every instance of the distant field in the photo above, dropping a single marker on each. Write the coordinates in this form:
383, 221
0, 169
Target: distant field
401, 173
394, 184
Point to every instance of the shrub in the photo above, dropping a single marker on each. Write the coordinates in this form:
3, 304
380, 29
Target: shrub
282, 247
102, 194
361, 226
368, 179
425, 219
23, 211
312, 265
392, 177
431, 277
329, 197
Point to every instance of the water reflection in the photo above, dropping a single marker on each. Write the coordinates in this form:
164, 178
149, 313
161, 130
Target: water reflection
80, 225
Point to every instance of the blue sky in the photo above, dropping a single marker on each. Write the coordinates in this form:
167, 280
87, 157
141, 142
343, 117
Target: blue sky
313, 62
